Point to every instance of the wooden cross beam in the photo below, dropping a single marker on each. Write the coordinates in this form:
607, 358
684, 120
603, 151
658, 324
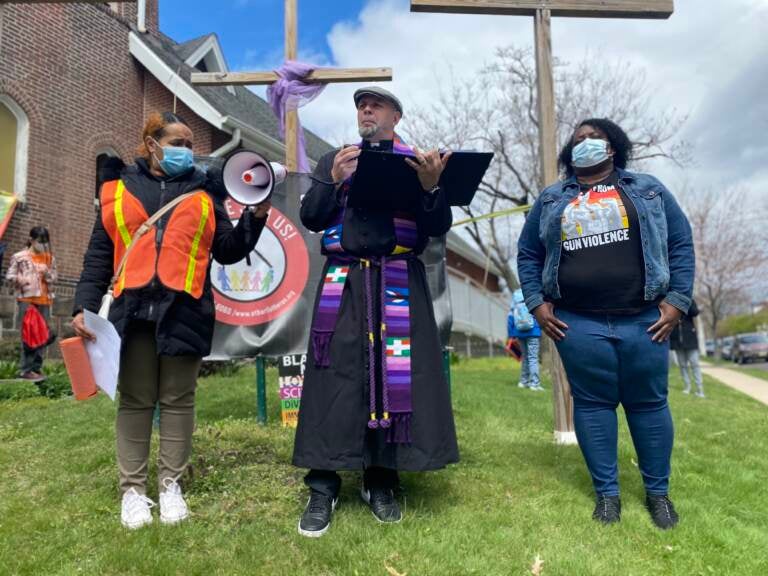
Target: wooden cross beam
573, 8
321, 75
542, 11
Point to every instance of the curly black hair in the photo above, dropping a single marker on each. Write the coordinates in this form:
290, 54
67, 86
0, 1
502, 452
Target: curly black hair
620, 143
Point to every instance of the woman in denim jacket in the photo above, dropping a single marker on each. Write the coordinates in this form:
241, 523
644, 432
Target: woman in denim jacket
606, 264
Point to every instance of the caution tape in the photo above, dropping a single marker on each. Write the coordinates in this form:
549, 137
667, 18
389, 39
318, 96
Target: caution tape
515, 210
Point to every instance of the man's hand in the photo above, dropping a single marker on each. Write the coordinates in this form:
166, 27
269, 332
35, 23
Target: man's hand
429, 166
663, 327
345, 164
552, 326
261, 210
78, 324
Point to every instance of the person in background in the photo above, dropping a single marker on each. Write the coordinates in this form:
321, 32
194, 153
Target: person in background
33, 273
522, 325
684, 341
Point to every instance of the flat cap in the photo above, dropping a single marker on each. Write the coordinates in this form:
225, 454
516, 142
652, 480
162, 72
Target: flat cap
379, 93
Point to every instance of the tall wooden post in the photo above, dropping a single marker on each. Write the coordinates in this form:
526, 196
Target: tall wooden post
291, 117
561, 393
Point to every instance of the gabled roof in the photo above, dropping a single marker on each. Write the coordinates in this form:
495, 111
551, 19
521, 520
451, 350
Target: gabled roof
186, 49
224, 108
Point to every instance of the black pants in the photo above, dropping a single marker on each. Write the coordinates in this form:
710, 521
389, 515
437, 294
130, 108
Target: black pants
328, 482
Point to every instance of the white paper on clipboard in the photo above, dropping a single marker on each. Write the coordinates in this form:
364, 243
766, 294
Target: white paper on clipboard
104, 354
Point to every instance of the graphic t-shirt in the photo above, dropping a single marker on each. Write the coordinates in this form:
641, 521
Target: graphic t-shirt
601, 262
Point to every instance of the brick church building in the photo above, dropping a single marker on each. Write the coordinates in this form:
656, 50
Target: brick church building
77, 82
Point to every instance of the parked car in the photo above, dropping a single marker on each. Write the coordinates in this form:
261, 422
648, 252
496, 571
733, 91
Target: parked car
726, 346
750, 347
709, 347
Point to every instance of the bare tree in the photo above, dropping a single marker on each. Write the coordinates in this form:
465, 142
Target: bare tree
496, 111
731, 255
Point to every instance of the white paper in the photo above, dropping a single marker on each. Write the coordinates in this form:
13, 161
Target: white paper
104, 354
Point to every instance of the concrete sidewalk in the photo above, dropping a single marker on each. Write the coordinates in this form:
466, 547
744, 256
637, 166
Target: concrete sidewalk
749, 385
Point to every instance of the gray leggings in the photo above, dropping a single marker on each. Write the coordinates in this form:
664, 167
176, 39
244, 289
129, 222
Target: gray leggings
689, 360
147, 379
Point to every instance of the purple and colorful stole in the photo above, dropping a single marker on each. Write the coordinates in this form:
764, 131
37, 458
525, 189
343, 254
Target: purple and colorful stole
395, 330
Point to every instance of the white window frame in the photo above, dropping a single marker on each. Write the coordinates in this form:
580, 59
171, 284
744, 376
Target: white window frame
22, 147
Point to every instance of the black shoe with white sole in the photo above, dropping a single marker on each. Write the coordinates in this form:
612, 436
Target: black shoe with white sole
316, 518
382, 503
662, 511
607, 509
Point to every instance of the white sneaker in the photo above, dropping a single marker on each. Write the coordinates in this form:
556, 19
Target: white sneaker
521, 385
136, 510
173, 508
686, 390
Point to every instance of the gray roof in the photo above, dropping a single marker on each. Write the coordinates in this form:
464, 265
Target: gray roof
243, 105
186, 49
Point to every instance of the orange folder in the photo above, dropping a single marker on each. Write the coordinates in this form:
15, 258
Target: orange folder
78, 367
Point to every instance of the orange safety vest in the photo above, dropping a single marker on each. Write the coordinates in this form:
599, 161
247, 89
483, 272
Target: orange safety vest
182, 261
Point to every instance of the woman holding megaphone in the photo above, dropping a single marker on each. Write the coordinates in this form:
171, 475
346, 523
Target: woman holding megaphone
163, 304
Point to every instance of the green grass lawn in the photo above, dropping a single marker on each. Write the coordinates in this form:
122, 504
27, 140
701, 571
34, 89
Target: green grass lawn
515, 495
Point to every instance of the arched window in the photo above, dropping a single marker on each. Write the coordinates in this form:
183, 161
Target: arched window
14, 143
105, 165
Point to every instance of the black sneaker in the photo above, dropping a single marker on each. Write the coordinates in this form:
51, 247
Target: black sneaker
316, 518
662, 511
607, 509
383, 504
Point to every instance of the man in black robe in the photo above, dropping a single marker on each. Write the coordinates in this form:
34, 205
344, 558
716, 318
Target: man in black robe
375, 397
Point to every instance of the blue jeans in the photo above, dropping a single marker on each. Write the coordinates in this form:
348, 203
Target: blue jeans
529, 369
611, 360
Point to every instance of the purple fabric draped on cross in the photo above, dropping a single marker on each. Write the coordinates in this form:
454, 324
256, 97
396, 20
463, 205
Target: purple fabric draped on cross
289, 93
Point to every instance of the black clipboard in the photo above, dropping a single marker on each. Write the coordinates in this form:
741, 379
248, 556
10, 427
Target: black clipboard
383, 180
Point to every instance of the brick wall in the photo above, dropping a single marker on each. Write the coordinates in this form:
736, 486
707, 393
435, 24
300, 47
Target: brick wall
159, 98
127, 11
68, 67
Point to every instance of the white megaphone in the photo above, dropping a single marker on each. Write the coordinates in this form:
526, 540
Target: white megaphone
249, 178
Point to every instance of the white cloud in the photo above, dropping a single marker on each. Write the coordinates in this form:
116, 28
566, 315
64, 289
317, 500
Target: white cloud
696, 62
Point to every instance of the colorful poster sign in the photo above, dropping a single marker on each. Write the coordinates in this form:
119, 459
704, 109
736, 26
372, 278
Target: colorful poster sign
290, 370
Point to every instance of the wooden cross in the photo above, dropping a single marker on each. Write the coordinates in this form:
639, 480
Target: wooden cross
542, 11
323, 75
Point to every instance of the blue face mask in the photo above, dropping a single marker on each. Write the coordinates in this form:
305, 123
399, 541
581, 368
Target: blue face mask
176, 160
589, 152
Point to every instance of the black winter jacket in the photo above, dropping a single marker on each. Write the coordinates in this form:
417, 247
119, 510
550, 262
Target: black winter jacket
684, 336
184, 325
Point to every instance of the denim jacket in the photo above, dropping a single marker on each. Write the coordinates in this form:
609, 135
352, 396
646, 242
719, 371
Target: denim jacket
664, 232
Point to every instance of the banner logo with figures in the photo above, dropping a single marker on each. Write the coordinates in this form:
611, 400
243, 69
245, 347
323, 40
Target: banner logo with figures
290, 370
272, 284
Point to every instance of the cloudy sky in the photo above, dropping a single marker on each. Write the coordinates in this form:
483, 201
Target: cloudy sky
710, 60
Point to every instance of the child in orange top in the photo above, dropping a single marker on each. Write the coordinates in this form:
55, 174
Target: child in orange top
33, 273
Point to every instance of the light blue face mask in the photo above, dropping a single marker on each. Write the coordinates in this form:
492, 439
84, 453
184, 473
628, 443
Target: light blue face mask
589, 152
176, 160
